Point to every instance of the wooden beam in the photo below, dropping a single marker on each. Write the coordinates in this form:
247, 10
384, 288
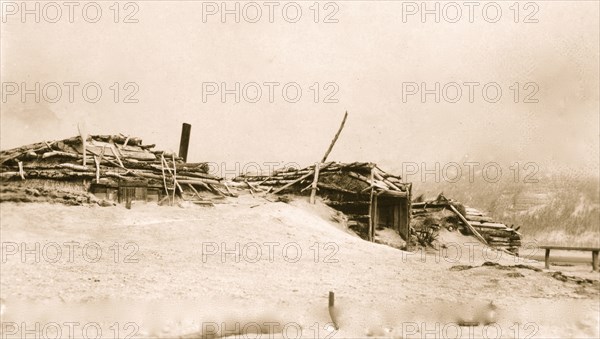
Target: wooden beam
21, 173
313, 192
162, 166
83, 144
335, 138
175, 178
468, 225
97, 162
294, 182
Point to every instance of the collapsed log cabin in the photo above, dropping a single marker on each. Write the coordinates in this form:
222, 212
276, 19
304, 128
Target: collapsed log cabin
443, 212
112, 167
371, 198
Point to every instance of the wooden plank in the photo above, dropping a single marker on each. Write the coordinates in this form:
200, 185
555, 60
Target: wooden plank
569, 248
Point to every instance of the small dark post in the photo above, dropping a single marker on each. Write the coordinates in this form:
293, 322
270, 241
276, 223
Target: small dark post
332, 311
595, 261
186, 130
547, 258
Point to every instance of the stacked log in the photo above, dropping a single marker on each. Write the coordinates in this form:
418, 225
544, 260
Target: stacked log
496, 234
107, 159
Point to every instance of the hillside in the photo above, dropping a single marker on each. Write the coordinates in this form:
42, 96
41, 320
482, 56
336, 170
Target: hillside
164, 287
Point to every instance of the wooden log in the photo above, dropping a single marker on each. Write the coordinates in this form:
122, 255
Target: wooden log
21, 173
75, 167
467, 224
175, 180
335, 138
334, 188
84, 145
293, 182
164, 177
102, 154
497, 233
489, 225
198, 181
472, 217
371, 213
311, 172
195, 191
387, 182
115, 153
313, 192
59, 153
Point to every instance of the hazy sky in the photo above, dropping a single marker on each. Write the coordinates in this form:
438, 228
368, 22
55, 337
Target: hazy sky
369, 54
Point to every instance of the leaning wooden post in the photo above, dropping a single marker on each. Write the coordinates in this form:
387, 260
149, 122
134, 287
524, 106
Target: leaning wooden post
83, 143
335, 138
313, 192
162, 167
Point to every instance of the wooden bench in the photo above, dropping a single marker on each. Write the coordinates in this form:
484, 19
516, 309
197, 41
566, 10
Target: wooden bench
594, 251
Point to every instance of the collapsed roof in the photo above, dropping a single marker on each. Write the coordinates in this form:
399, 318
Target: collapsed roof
352, 178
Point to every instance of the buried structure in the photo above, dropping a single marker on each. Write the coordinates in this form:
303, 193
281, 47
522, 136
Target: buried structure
371, 198
430, 216
115, 168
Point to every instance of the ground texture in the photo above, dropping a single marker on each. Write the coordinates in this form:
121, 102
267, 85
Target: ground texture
208, 271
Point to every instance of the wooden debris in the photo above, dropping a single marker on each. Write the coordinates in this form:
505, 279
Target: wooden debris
117, 160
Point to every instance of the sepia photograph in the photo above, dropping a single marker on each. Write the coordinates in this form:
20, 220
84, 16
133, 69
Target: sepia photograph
323, 169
